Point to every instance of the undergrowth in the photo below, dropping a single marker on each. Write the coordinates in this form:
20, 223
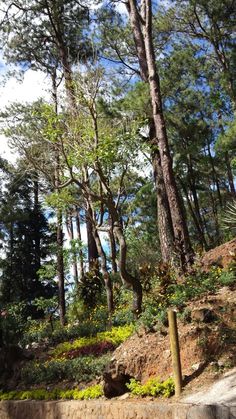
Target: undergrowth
92, 392
153, 387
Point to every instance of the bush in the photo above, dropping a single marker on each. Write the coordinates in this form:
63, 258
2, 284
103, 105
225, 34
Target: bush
153, 387
116, 336
82, 369
92, 392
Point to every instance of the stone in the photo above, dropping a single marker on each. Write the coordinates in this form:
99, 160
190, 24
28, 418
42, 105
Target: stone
203, 314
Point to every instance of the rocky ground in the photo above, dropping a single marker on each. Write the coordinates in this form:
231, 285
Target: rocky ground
207, 344
207, 334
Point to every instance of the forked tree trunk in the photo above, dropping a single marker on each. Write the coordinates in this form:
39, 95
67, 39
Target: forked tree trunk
165, 227
105, 274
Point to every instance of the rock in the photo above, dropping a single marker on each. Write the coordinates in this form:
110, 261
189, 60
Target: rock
124, 396
197, 366
203, 314
166, 354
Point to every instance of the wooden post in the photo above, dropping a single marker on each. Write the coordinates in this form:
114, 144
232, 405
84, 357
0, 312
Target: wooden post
175, 351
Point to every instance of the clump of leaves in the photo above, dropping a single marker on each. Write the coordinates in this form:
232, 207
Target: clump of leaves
97, 349
82, 369
116, 336
153, 387
92, 392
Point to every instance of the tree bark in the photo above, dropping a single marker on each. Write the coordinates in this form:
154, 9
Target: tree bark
214, 174
105, 273
230, 174
112, 247
37, 249
92, 247
70, 231
144, 23
60, 269
81, 256
59, 230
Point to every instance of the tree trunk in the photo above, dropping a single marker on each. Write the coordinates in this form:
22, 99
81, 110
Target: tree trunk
81, 256
214, 174
37, 250
60, 269
60, 258
198, 226
165, 228
142, 31
92, 247
230, 174
182, 242
105, 274
112, 247
70, 231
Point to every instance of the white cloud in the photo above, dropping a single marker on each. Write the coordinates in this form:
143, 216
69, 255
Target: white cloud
33, 86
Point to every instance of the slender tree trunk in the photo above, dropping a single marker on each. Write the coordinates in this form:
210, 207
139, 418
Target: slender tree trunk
92, 247
81, 256
127, 279
198, 226
102, 254
197, 212
70, 231
227, 160
60, 269
142, 29
230, 174
37, 249
181, 237
105, 273
60, 257
214, 174
112, 247
165, 228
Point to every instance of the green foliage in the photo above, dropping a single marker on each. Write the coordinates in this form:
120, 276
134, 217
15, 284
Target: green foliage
116, 336
228, 277
82, 369
12, 322
153, 387
229, 218
92, 392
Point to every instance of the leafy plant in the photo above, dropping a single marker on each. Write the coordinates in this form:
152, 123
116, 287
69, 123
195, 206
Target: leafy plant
153, 387
92, 392
82, 369
116, 336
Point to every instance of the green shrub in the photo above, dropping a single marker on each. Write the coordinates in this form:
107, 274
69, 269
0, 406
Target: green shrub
153, 387
83, 369
92, 392
116, 336
227, 277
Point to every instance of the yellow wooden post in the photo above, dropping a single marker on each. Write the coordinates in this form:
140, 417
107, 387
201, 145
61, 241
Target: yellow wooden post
175, 351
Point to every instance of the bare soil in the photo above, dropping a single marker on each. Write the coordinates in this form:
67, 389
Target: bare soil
220, 256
